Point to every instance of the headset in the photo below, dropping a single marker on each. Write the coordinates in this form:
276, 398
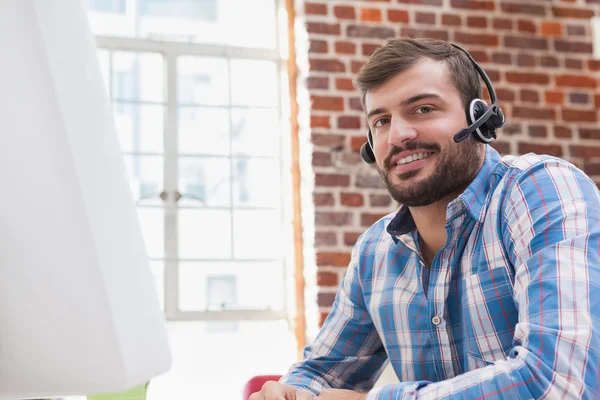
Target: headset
483, 120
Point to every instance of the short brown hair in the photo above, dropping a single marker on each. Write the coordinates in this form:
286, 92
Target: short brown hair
400, 54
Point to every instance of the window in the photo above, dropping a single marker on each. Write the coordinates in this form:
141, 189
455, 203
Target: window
200, 126
194, 9
113, 6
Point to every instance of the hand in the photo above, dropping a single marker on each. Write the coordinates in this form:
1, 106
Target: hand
340, 394
278, 391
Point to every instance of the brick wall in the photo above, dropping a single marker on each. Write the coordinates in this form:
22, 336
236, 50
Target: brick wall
538, 54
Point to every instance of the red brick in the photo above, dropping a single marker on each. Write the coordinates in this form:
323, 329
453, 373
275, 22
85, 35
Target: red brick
332, 180
538, 131
505, 94
597, 100
327, 278
577, 30
474, 4
552, 29
323, 316
369, 181
326, 65
578, 81
584, 151
350, 238
370, 32
368, 49
421, 2
344, 84
553, 97
551, 149
355, 66
594, 65
477, 39
526, 60
425, 18
397, 16
348, 122
325, 238
530, 96
562, 132
332, 218
331, 103
573, 46
549, 61
476, 22
320, 121
380, 200
430, 33
356, 142
318, 46
345, 47
526, 26
502, 58
315, 8
451, 20
523, 8
323, 199
321, 159
573, 115
579, 98
572, 63
335, 259
524, 77
503, 24
368, 219
526, 43
344, 12
589, 133
572, 12
323, 28
328, 140
368, 14
501, 147
325, 299
352, 199
317, 82
530, 113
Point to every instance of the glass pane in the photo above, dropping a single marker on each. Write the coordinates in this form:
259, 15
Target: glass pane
256, 182
219, 286
204, 234
203, 131
157, 268
112, 6
104, 62
254, 83
145, 178
257, 234
265, 347
140, 127
202, 80
255, 132
153, 228
204, 182
137, 76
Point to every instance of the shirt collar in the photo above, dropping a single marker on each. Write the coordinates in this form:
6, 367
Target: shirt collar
473, 198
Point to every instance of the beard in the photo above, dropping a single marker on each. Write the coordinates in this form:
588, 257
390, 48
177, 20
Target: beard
455, 169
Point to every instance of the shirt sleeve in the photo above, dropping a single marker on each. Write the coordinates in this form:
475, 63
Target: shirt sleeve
347, 352
551, 231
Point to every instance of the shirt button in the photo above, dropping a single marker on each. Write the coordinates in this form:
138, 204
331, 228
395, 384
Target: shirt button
436, 320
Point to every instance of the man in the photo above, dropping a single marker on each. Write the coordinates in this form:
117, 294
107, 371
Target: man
485, 283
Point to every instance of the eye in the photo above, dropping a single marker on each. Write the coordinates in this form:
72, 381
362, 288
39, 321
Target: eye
380, 122
424, 110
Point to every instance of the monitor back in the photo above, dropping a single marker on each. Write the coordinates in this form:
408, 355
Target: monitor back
79, 313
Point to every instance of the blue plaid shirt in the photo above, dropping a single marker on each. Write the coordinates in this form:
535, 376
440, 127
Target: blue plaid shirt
512, 307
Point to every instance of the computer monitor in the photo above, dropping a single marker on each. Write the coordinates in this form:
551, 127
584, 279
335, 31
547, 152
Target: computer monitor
79, 313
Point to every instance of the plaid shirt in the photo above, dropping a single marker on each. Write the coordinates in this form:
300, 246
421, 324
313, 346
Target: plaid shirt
511, 310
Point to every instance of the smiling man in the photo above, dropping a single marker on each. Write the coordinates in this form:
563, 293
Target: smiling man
485, 283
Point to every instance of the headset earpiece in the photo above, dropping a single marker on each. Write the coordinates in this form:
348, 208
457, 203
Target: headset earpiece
476, 110
366, 150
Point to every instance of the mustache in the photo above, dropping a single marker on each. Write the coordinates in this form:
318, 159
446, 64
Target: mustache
411, 146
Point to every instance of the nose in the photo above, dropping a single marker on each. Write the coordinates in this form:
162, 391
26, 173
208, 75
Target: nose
400, 132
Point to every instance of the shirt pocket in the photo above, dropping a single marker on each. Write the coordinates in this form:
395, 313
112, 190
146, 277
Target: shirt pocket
489, 314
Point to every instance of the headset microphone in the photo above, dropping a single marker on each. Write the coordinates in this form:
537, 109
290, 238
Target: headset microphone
483, 120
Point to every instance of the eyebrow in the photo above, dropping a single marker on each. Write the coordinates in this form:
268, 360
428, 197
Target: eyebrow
405, 103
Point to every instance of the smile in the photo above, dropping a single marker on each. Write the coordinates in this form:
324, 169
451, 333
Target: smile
414, 157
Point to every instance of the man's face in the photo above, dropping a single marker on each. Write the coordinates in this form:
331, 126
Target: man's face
413, 118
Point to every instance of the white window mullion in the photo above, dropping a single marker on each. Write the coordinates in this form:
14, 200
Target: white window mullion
170, 182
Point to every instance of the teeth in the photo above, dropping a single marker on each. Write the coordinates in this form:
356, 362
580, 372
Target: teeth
413, 157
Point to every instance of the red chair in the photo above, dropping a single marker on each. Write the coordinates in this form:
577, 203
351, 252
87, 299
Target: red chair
256, 383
